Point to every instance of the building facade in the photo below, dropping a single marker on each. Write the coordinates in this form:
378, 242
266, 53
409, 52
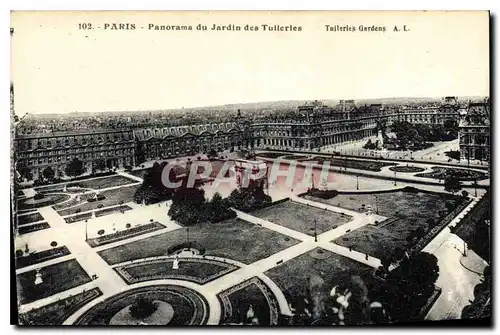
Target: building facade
474, 132
35, 152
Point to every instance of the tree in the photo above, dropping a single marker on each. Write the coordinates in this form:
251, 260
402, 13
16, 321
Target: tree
409, 286
452, 183
142, 308
48, 173
74, 168
99, 164
218, 209
453, 154
188, 206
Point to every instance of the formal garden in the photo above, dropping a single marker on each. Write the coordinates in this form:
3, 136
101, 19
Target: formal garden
56, 278
345, 163
151, 305
227, 239
193, 269
302, 218
57, 312
417, 216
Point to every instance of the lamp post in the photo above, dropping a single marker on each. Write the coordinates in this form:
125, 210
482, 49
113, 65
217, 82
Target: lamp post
376, 203
187, 237
315, 232
86, 230
395, 178
357, 182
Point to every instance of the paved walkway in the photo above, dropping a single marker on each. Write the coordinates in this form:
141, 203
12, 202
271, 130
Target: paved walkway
130, 176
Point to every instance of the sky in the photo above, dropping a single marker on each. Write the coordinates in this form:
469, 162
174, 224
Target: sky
58, 68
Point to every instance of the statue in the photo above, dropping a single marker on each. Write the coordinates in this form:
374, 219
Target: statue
380, 140
93, 215
38, 278
175, 265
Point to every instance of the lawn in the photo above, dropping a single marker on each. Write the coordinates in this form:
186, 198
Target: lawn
139, 173
28, 218
319, 273
57, 278
113, 197
301, 217
57, 312
407, 211
197, 270
112, 210
233, 238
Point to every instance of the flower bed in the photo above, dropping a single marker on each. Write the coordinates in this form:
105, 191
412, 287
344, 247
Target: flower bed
112, 210
78, 217
41, 256
406, 169
124, 234
32, 228
439, 172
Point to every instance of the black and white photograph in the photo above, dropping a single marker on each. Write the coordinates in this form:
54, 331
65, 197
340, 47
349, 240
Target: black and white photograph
250, 168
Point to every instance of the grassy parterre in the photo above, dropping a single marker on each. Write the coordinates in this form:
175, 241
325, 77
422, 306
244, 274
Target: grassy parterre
56, 278
113, 197
301, 217
407, 211
234, 239
32, 227
48, 200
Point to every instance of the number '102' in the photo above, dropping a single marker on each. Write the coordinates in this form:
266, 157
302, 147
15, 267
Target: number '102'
86, 26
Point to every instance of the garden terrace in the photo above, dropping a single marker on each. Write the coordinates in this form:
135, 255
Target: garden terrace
57, 278
463, 174
101, 183
42, 256
47, 200
57, 312
408, 221
234, 239
236, 301
29, 218
32, 227
189, 307
124, 234
113, 197
196, 270
60, 183
301, 217
325, 269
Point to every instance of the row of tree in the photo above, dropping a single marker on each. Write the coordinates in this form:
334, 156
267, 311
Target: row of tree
417, 135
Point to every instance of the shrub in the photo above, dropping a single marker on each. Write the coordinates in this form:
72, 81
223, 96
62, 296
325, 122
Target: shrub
78, 210
128, 225
100, 206
100, 232
39, 196
142, 308
53, 244
19, 253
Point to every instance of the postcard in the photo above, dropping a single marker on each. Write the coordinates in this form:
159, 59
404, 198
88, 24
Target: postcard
250, 168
